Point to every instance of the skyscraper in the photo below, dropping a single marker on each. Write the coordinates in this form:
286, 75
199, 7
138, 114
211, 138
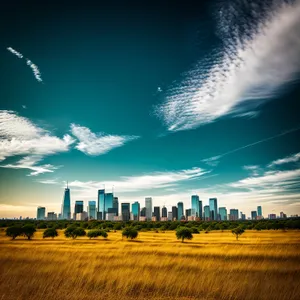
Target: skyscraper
195, 206
116, 204
223, 213
143, 212
259, 211
200, 209
148, 204
41, 213
156, 213
78, 206
135, 209
213, 206
66, 207
92, 212
233, 214
253, 215
101, 204
206, 213
164, 212
174, 213
125, 209
109, 199
180, 210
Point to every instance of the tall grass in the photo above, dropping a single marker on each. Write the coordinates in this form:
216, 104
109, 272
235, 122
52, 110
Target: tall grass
261, 265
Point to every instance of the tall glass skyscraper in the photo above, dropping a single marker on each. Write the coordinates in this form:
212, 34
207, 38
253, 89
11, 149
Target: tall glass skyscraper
125, 208
195, 206
78, 206
109, 199
223, 213
156, 213
213, 206
259, 211
180, 210
200, 209
92, 212
66, 207
148, 204
135, 209
164, 212
233, 214
41, 213
101, 203
206, 213
174, 213
116, 205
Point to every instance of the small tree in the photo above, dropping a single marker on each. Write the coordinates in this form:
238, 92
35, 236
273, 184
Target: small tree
14, 231
28, 231
97, 232
130, 232
237, 232
74, 231
50, 232
117, 226
184, 233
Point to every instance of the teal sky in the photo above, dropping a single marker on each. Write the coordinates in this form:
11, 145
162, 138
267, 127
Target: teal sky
154, 99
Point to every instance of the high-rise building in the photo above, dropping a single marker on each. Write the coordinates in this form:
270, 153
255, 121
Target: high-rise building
243, 217
135, 209
164, 212
282, 215
195, 206
116, 204
188, 213
92, 211
101, 204
66, 207
213, 206
143, 212
223, 213
200, 209
51, 216
156, 213
109, 199
111, 214
233, 214
148, 204
82, 216
125, 209
180, 210
170, 215
78, 206
41, 213
206, 213
259, 211
253, 215
174, 213
272, 216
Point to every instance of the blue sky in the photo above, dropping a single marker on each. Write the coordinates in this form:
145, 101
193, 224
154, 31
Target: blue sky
151, 99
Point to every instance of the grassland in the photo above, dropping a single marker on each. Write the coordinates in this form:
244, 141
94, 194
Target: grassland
261, 265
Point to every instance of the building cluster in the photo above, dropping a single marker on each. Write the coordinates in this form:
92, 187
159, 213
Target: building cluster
107, 208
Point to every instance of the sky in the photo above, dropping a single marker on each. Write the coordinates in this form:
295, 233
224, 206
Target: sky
152, 98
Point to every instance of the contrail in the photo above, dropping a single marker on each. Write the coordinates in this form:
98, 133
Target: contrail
35, 69
212, 160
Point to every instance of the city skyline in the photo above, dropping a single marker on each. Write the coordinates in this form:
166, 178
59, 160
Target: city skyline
199, 102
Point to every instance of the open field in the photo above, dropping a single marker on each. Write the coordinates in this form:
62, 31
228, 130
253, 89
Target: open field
261, 265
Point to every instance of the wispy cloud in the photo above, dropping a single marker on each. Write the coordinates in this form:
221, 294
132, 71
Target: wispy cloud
98, 143
256, 59
48, 181
285, 160
255, 170
214, 160
20, 136
35, 69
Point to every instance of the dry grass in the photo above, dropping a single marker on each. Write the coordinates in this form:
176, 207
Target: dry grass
262, 265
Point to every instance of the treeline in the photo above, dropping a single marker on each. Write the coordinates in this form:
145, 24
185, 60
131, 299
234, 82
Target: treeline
282, 224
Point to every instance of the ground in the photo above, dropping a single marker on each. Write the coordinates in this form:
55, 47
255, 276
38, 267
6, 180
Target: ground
261, 265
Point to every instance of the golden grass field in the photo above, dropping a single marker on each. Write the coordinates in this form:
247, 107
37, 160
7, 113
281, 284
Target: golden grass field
261, 265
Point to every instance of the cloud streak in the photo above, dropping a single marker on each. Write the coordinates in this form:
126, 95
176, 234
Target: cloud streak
98, 143
257, 57
285, 160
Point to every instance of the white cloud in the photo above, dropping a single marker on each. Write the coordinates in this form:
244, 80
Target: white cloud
48, 181
254, 170
285, 160
15, 52
253, 63
30, 162
96, 144
35, 69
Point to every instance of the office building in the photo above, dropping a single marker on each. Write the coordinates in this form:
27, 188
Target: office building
243, 216
78, 206
272, 216
206, 213
148, 204
156, 213
125, 210
143, 212
92, 211
180, 210
164, 212
259, 211
111, 214
135, 209
170, 216
213, 206
253, 215
233, 214
108, 200
41, 213
282, 215
195, 206
101, 204
200, 210
66, 207
174, 213
82, 216
51, 216
116, 205
188, 213
223, 213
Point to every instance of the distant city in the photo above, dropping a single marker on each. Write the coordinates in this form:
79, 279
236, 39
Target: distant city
107, 208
